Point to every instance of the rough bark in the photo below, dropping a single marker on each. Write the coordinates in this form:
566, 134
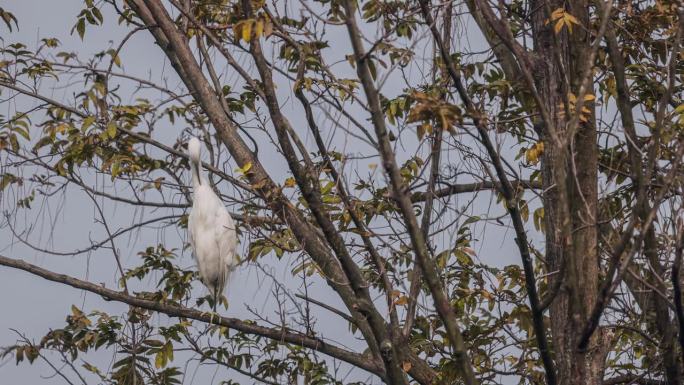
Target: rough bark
569, 169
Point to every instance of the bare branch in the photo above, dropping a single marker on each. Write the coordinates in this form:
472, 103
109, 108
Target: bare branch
172, 310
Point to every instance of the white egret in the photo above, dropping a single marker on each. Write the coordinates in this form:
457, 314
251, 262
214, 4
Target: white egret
211, 230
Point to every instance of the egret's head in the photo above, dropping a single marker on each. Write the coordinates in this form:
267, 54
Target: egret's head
194, 148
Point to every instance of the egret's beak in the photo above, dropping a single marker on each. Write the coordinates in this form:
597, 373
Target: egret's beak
197, 171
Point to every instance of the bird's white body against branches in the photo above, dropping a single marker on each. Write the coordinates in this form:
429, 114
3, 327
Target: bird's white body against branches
211, 230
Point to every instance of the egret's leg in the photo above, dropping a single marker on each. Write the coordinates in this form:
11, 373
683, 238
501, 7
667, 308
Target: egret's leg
215, 291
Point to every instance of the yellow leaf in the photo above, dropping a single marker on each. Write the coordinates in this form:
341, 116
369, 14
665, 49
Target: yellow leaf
158, 183
75, 311
559, 25
565, 20
423, 129
562, 18
570, 19
557, 13
246, 30
533, 153
290, 182
244, 169
487, 295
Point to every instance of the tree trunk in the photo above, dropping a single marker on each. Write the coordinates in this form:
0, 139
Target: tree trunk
569, 173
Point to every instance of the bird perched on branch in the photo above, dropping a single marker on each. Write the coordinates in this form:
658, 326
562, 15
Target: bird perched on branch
211, 230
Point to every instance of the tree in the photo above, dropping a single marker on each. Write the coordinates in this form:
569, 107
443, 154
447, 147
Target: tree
560, 126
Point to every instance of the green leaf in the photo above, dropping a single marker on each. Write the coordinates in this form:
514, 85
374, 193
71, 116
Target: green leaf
90, 18
14, 142
111, 129
98, 15
169, 351
6, 180
463, 258
524, 211
371, 68
22, 132
160, 359
87, 122
8, 18
115, 169
80, 27
470, 220
155, 343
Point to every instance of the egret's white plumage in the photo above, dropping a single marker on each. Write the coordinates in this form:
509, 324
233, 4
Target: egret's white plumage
211, 229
